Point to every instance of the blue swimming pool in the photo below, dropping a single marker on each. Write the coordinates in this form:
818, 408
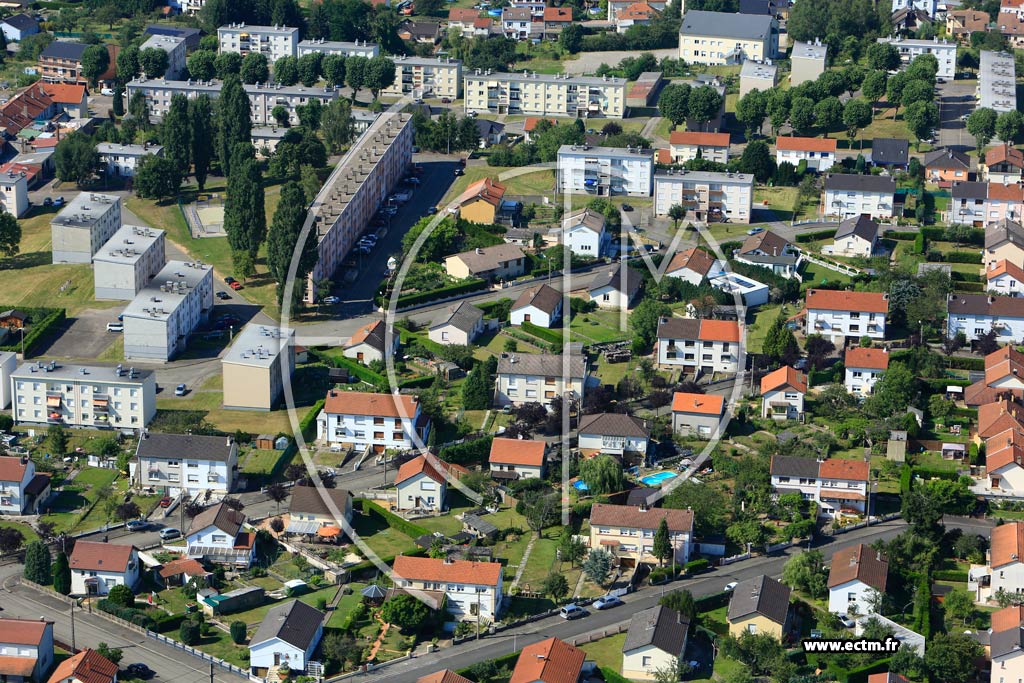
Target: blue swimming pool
581, 485
659, 478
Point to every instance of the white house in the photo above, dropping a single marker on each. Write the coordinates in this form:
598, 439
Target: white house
782, 394
836, 485
122, 161
836, 314
216, 535
287, 636
977, 314
540, 378
864, 367
618, 434
848, 196
27, 647
1004, 568
381, 421
19, 26
470, 591
22, 491
462, 325
767, 250
422, 483
615, 287
517, 458
929, 7
685, 145
584, 233
1004, 462
98, 567
708, 346
517, 22
656, 640
369, 343
1005, 278
856, 578
14, 193
540, 306
195, 463
856, 236
819, 153
693, 265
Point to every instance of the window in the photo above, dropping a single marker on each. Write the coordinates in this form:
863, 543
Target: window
220, 538
378, 436
646, 661
751, 628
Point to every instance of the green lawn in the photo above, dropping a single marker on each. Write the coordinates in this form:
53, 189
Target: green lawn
541, 561
535, 182
814, 275
96, 477
259, 461
612, 373
255, 615
607, 651
346, 605
27, 531
381, 538
763, 320
447, 524
74, 497
779, 199
219, 644
599, 327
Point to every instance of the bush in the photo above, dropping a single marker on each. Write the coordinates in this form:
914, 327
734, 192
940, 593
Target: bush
962, 257
468, 452
815, 236
394, 521
695, 566
906, 477
188, 632
926, 473
409, 300
238, 632
42, 322
550, 336
307, 426
859, 674
709, 603
950, 575
661, 575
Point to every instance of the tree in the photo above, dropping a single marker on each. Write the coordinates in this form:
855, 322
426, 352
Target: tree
982, 125
176, 134
873, 86
238, 632
200, 114
921, 118
127, 510
709, 506
154, 62
751, 110
281, 115
571, 549
818, 348
355, 74
10, 234
286, 70
202, 65
644, 322
75, 158
244, 214
157, 177
662, 546
555, 585
62, 574
95, 61
254, 69
676, 212
801, 114
277, 493
828, 114
748, 532
118, 101
598, 565
917, 91
856, 115
1009, 126
757, 160
923, 513
10, 540
283, 238
893, 392
778, 105
673, 672
779, 344
680, 601
478, 390
404, 611
539, 509
883, 57
950, 657
806, 572
380, 74
127, 64
571, 38
959, 604
704, 104
336, 125
121, 595
58, 438
226, 64
235, 119
602, 474
309, 69
188, 632
111, 654
674, 102
37, 563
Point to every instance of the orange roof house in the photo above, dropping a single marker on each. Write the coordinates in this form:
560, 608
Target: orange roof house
481, 201
531, 122
638, 12
437, 570
462, 15
872, 359
782, 378
693, 265
550, 661
859, 563
88, 666
797, 144
840, 468
445, 676
37, 659
1004, 449
422, 482
696, 414
1007, 618
557, 16
431, 466
697, 139
841, 300
517, 455
1007, 545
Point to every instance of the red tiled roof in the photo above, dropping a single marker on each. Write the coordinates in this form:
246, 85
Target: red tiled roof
634, 517
456, 571
1004, 449
859, 563
719, 330
463, 14
88, 666
1012, 192
1005, 361
30, 170
840, 468
486, 189
1007, 544
431, 466
66, 93
517, 452
995, 418
22, 631
481, 22
12, 469
366, 403
874, 359
183, 565
842, 300
532, 121
549, 661
636, 11
445, 676
1004, 154
1003, 267
108, 557
701, 404
557, 14
665, 157
18, 666
784, 377
806, 144
697, 260
686, 137
1007, 618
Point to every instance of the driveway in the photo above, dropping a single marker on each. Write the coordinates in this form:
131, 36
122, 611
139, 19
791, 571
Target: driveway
956, 99
84, 336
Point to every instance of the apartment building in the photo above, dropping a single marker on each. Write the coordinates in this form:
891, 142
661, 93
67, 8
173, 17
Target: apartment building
378, 421
836, 485
685, 145
273, 41
22, 490
707, 196
856, 578
839, 314
338, 47
757, 76
997, 82
606, 171
122, 161
160, 320
83, 395
175, 48
850, 196
127, 262
255, 368
425, 77
536, 94
807, 61
192, 463
61, 62
14, 192
818, 153
944, 51
540, 378
719, 38
863, 368
84, 225
978, 314
706, 346
27, 647
627, 532
469, 591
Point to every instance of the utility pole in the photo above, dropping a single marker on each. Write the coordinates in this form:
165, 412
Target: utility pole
73, 649
211, 672
478, 614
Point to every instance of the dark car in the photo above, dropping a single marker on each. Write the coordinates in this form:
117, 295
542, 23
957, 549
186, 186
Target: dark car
223, 296
229, 280
139, 670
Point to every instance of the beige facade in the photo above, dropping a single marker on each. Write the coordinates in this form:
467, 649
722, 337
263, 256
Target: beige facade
426, 77
252, 367
755, 623
808, 62
545, 94
1007, 251
720, 38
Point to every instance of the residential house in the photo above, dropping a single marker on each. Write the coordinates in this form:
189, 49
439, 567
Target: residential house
1004, 566
706, 346
929, 7
1004, 375
369, 343
22, 490
635, 14
1006, 650
540, 377
1005, 278
839, 314
615, 287
977, 314
469, 591
1004, 462
426, 32
61, 62
500, 262
720, 38
838, 486
782, 394
693, 265
697, 415
27, 647
911, 48
517, 23
481, 201
584, 233
757, 76
984, 204
686, 145
192, 463
216, 535
422, 483
864, 367
287, 637
556, 19
856, 236
907, 21
818, 153
617, 434
962, 23
616, 7
759, 605
807, 61
1003, 164
530, 124
848, 196
628, 532
19, 26
706, 195
88, 666
462, 325
462, 18
313, 510
656, 640
891, 153
944, 166
1012, 8
444, 676
183, 570
517, 458
98, 567
541, 306
490, 132
1004, 241
380, 421
856, 579
767, 250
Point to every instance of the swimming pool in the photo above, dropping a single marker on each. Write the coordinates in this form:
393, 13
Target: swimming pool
659, 478
581, 485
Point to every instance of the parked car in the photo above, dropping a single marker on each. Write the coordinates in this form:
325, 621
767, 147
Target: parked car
627, 207
332, 300
446, 100
607, 602
169, 533
139, 670
115, 327
845, 620
459, 172
223, 296
729, 587
413, 181
180, 390
59, 201
137, 525
431, 211
165, 502
236, 285
229, 280
755, 231
48, 201
572, 611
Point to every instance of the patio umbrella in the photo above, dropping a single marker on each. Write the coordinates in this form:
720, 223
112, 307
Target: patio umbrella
328, 531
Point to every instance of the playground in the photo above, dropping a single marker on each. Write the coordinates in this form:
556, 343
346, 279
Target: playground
205, 216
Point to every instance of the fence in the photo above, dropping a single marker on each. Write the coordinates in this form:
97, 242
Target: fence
203, 656
735, 558
195, 225
367, 668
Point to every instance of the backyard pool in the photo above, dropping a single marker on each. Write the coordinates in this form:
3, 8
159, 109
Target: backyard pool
659, 478
581, 485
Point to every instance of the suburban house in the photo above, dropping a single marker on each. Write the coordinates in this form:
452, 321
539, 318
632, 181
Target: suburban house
1005, 278
864, 367
977, 314
1006, 650
984, 204
615, 287
288, 635
962, 23
22, 491
98, 567
379, 421
555, 19
849, 196
584, 233
759, 605
1004, 461
190, 462
1004, 241
517, 23
540, 306
318, 511
27, 647
838, 314
1004, 375
470, 591
819, 153
719, 38
443, 676
550, 661
944, 166
216, 535
462, 18
891, 153
369, 343
767, 250
19, 26
636, 14
693, 265
422, 483
618, 434
1003, 164
1004, 568
500, 262
782, 394
836, 485
856, 578
88, 666
628, 532
686, 145
856, 236
481, 201
539, 377
656, 640
697, 414
517, 458
462, 325
699, 345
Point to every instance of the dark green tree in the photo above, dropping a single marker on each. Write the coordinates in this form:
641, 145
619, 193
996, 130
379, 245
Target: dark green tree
176, 134
286, 70
188, 632
200, 114
674, 102
238, 632
283, 238
950, 657
202, 65
254, 68
680, 601
555, 585
336, 125
75, 158
355, 74
62, 574
644, 322
602, 474
37, 563
121, 595
95, 61
757, 160
704, 104
982, 125
662, 546
244, 213
751, 111
571, 38
154, 62
478, 389
309, 69
405, 612
157, 178
10, 234
118, 100
227, 63
235, 121
333, 69
779, 344
127, 63
380, 74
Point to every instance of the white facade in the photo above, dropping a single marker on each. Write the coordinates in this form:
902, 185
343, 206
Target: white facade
373, 420
127, 262
14, 193
273, 41
926, 6
706, 196
162, 317
175, 49
193, 463
8, 364
944, 51
98, 581
83, 226
539, 379
544, 94
211, 541
821, 491
842, 597
784, 403
861, 381
422, 77
709, 345
585, 237
335, 47
839, 324
849, 203
422, 492
1006, 283
977, 314
20, 645
276, 651
817, 160
122, 161
472, 590
610, 444
534, 314
605, 171
13, 499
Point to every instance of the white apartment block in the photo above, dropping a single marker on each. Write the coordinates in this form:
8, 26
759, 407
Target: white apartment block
83, 226
837, 315
709, 346
807, 61
536, 94
606, 171
944, 51
379, 421
757, 76
707, 196
175, 48
273, 41
14, 193
190, 462
256, 366
162, 317
470, 591
997, 78
337, 47
977, 314
83, 395
423, 77
927, 6
121, 161
720, 38
128, 261
685, 145
848, 196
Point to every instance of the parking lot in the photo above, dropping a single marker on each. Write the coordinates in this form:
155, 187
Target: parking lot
956, 100
84, 336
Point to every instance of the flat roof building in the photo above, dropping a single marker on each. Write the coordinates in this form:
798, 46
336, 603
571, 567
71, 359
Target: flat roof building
273, 41
997, 82
944, 51
252, 367
537, 94
807, 61
338, 47
122, 161
83, 226
128, 261
175, 47
707, 196
426, 77
606, 171
161, 318
757, 76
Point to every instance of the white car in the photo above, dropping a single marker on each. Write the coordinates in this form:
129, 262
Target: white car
107, 92
729, 587
846, 621
169, 533
607, 602
115, 327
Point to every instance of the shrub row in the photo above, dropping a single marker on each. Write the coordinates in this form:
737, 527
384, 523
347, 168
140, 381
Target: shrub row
950, 575
929, 473
550, 336
508, 660
970, 287
42, 321
418, 298
815, 236
859, 674
709, 603
957, 362
695, 566
130, 614
965, 277
906, 477
163, 623
610, 675
962, 257
467, 452
901, 235
394, 521
370, 567
307, 426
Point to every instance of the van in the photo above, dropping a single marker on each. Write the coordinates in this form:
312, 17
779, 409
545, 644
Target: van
572, 611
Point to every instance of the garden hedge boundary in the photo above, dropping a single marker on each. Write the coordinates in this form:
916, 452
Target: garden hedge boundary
392, 520
471, 452
694, 566
928, 473
815, 236
307, 425
508, 660
709, 603
543, 333
42, 321
950, 575
858, 675
962, 257
418, 298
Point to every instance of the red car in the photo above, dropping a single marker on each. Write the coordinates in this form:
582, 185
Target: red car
236, 285
165, 501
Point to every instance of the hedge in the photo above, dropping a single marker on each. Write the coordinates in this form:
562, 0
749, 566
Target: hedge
709, 603
357, 369
508, 660
550, 336
610, 675
815, 236
370, 566
408, 300
163, 623
42, 321
950, 575
957, 276
962, 257
130, 614
928, 473
858, 675
307, 426
970, 287
957, 362
467, 452
694, 566
394, 521
901, 235
906, 477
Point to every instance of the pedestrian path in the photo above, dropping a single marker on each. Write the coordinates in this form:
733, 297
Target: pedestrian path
522, 563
